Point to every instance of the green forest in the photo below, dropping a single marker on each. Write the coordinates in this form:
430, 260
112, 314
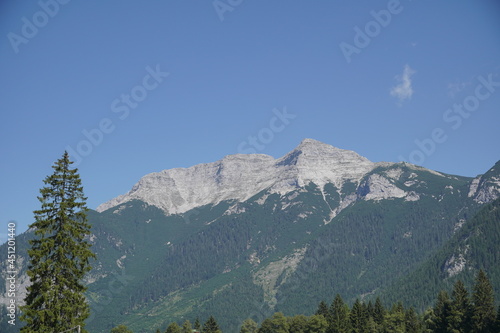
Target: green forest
459, 312
388, 266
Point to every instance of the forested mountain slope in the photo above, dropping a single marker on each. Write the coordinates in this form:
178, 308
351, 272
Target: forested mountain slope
254, 235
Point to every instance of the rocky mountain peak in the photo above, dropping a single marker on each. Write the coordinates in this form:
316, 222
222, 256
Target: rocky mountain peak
486, 188
239, 177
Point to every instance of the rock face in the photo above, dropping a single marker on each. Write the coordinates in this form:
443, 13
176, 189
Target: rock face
486, 188
377, 187
239, 177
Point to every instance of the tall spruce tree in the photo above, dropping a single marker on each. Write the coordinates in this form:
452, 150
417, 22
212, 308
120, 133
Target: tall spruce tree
378, 312
483, 313
211, 326
441, 313
59, 255
187, 327
395, 319
460, 310
412, 324
323, 310
339, 312
358, 317
197, 324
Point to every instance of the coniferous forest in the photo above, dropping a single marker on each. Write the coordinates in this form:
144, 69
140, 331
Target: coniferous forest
462, 310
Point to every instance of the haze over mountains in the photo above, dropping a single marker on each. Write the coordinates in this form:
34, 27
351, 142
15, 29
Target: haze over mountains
250, 234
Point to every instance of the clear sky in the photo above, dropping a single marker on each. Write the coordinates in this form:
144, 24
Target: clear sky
133, 87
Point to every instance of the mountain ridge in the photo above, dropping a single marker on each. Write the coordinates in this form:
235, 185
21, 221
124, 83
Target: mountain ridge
239, 177
319, 208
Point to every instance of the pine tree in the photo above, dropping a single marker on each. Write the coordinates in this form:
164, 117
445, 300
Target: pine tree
412, 324
59, 255
186, 327
395, 321
371, 326
428, 320
197, 324
323, 310
369, 309
211, 326
460, 310
339, 312
378, 312
441, 312
358, 317
483, 311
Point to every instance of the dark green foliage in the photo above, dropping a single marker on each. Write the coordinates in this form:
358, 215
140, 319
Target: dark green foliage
297, 324
459, 318
249, 326
378, 312
497, 322
59, 255
173, 328
369, 309
316, 324
197, 324
323, 310
186, 327
480, 234
278, 323
412, 323
204, 263
483, 313
448, 316
358, 317
120, 329
440, 313
395, 320
339, 312
376, 243
211, 326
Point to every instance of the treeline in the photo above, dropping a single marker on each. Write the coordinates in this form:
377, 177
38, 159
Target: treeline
460, 312
455, 313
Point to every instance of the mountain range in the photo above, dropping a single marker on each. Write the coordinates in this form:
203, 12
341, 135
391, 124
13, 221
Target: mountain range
250, 235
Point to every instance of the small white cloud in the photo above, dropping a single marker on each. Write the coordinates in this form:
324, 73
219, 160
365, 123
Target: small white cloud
403, 90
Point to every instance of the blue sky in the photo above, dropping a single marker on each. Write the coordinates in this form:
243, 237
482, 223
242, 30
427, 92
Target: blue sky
134, 87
